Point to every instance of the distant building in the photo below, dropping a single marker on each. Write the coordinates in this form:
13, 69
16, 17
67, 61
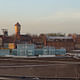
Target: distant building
61, 42
77, 42
76, 38
17, 28
25, 39
5, 32
31, 50
57, 40
1, 41
38, 41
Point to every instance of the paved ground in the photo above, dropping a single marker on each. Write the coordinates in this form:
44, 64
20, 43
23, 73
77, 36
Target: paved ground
40, 68
28, 78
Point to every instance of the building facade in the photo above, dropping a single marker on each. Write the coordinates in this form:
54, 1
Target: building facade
61, 42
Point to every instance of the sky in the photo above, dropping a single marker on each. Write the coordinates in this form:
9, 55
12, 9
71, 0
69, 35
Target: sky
40, 16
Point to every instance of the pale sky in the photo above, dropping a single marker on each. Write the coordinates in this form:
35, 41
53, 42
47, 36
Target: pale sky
40, 16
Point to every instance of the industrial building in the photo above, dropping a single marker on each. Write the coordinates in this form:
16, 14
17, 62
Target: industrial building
61, 42
42, 44
31, 50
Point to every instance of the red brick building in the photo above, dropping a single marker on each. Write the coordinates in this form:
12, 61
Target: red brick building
38, 41
77, 42
61, 42
54, 41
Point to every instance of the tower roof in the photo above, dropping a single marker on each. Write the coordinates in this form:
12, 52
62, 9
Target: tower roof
17, 24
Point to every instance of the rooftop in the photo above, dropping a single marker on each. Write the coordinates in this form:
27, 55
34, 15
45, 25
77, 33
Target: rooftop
60, 37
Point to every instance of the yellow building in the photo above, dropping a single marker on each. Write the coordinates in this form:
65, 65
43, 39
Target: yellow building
11, 46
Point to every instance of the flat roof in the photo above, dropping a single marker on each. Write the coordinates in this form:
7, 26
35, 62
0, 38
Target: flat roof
60, 37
